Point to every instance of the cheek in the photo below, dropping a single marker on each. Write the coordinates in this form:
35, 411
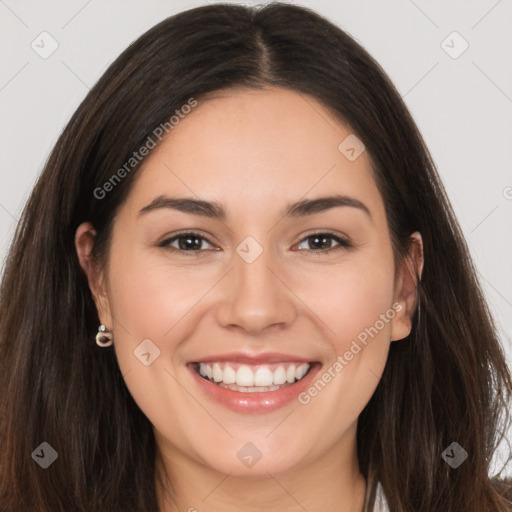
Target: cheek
151, 297
362, 301
154, 301
351, 297
355, 303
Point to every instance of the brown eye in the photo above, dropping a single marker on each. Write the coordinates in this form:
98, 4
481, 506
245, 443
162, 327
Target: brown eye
323, 242
186, 242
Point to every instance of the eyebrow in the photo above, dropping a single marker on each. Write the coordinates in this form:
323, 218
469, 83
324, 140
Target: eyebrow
214, 210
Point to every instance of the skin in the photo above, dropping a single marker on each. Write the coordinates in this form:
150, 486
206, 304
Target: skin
255, 153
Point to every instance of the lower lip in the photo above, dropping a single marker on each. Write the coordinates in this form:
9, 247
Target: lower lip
257, 402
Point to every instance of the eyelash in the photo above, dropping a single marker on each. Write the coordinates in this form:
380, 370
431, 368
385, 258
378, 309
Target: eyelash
343, 243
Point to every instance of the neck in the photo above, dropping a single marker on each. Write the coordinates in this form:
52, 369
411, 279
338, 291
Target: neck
332, 482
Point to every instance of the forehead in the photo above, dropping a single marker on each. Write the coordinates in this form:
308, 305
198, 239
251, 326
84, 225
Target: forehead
249, 146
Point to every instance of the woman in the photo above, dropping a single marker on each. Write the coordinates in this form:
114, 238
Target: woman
239, 285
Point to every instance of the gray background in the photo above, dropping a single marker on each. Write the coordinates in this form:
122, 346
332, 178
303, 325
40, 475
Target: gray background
462, 105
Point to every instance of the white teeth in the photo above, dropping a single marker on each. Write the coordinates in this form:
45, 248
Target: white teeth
301, 371
290, 373
279, 376
263, 379
217, 372
229, 375
255, 389
244, 376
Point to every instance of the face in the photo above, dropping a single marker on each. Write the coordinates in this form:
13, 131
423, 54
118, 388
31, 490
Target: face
257, 326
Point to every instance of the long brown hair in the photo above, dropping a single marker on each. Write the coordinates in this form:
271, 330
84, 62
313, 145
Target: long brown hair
447, 382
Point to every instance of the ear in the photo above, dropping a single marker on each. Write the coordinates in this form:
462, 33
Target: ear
406, 291
84, 242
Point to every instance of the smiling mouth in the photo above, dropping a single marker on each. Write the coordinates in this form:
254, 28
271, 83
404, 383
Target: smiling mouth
252, 378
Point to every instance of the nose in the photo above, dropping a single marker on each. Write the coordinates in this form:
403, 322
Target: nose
255, 297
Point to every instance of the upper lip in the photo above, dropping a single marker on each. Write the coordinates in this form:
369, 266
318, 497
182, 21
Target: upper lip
253, 359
